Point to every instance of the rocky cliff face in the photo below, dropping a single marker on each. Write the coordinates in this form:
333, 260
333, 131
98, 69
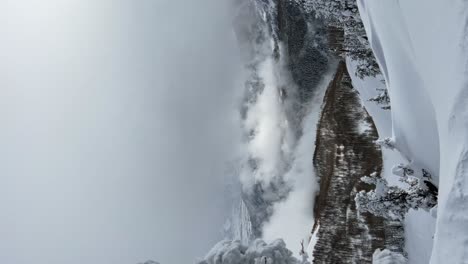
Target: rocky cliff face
345, 151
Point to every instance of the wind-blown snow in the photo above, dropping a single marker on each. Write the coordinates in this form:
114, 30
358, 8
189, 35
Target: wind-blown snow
273, 139
421, 48
276, 167
259, 252
293, 218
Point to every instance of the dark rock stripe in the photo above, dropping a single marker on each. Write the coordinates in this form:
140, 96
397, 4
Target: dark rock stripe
343, 155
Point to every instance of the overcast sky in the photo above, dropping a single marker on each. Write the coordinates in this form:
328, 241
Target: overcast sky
115, 120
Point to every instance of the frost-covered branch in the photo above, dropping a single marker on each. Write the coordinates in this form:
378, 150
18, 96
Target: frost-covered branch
393, 202
403, 170
388, 143
383, 99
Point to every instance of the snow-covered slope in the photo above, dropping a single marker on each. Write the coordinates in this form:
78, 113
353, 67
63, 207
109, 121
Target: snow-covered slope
419, 225
412, 110
421, 48
387, 257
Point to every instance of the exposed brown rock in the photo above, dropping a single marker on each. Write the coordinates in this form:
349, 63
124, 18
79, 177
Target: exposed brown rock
344, 153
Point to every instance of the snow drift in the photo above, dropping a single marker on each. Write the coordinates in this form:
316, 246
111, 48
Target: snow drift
421, 49
387, 257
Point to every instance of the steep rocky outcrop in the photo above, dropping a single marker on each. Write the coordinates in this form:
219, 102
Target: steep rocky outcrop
345, 151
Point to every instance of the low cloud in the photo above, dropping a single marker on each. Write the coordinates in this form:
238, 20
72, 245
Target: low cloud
117, 119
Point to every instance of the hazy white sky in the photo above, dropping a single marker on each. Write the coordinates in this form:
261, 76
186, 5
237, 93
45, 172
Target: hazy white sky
115, 120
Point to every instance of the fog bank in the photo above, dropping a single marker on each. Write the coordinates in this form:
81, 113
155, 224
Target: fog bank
116, 119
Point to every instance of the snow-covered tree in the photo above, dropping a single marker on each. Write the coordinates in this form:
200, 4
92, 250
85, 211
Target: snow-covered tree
403, 170
410, 169
259, 252
382, 99
423, 176
393, 202
344, 14
336, 12
388, 143
366, 65
388, 257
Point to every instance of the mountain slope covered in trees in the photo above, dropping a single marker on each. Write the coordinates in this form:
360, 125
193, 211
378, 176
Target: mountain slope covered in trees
421, 58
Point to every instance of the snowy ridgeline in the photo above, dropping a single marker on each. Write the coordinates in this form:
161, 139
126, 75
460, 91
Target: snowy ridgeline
233, 252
